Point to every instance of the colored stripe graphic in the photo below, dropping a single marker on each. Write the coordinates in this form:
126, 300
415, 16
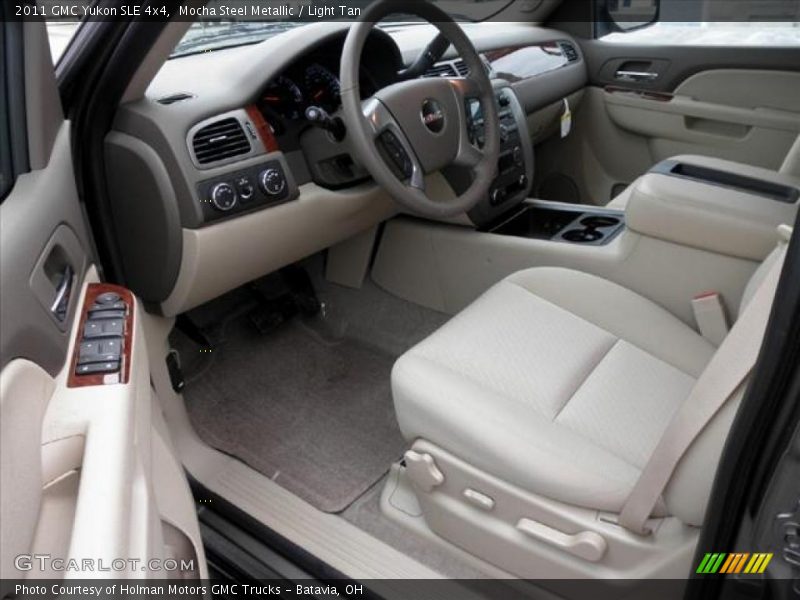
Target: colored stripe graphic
736, 562
758, 564
711, 562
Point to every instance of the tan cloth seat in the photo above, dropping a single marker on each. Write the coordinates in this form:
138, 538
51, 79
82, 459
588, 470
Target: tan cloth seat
562, 383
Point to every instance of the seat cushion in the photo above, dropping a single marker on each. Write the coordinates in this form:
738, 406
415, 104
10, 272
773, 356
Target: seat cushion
554, 380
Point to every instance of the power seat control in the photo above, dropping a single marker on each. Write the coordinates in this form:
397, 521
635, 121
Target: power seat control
224, 196
272, 182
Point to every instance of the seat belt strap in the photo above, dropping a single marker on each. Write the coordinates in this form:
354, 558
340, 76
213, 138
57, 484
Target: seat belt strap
725, 373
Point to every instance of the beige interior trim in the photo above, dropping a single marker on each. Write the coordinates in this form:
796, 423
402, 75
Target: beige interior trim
445, 268
155, 59
745, 88
220, 257
330, 538
25, 391
700, 215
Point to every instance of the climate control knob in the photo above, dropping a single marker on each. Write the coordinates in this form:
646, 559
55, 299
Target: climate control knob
223, 196
272, 182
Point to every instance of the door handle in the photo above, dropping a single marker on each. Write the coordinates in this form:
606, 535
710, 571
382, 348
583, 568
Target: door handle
624, 75
63, 292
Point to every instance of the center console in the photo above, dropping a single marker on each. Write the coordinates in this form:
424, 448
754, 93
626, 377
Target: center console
514, 163
713, 205
559, 222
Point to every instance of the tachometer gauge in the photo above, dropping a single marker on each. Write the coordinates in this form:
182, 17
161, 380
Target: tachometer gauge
322, 87
284, 97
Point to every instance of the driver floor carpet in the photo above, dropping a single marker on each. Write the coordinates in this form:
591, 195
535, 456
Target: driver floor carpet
311, 412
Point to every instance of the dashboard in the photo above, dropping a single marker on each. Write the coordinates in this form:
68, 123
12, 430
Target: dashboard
223, 178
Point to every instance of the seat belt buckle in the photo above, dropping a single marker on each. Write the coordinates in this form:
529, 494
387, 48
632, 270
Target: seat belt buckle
709, 313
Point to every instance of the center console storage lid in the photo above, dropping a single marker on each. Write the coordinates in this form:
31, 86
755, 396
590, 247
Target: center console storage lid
710, 214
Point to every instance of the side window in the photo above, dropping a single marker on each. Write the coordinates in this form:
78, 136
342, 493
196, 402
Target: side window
60, 33
13, 140
710, 23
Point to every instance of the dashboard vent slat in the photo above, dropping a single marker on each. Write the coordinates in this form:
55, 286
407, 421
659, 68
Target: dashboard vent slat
462, 68
441, 70
569, 51
220, 140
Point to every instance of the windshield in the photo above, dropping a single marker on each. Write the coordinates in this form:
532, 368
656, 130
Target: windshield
219, 27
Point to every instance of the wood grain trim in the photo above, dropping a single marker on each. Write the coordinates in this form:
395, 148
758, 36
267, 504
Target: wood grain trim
92, 292
263, 129
644, 94
513, 76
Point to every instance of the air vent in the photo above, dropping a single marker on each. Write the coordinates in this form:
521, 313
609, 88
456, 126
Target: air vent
173, 98
441, 70
462, 68
219, 141
569, 51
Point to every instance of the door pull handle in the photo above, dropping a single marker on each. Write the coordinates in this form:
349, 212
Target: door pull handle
63, 291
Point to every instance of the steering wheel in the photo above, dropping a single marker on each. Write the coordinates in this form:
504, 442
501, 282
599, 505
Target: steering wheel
412, 128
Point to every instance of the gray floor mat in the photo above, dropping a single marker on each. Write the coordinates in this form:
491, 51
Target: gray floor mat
312, 412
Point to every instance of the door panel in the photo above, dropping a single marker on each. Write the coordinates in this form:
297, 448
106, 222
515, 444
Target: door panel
648, 103
81, 467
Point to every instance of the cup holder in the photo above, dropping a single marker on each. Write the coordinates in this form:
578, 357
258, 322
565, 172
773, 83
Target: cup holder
582, 236
599, 221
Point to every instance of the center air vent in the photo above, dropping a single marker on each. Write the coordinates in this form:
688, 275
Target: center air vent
462, 68
450, 68
441, 70
220, 140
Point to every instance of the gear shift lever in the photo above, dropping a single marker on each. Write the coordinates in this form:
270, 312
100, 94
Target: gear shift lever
319, 116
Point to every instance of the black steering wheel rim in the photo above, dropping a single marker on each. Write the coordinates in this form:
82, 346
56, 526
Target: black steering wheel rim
427, 117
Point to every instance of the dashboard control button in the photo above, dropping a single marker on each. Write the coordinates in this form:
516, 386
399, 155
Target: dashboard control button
101, 328
111, 346
503, 100
272, 182
498, 197
516, 154
504, 133
245, 189
223, 196
89, 349
107, 298
97, 367
106, 314
397, 153
119, 305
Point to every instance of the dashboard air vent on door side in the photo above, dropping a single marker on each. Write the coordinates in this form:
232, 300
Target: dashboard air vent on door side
220, 140
569, 51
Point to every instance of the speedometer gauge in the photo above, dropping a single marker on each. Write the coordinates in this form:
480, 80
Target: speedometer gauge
322, 87
284, 97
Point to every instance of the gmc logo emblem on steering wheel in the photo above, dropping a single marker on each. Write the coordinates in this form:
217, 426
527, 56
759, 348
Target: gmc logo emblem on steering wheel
432, 115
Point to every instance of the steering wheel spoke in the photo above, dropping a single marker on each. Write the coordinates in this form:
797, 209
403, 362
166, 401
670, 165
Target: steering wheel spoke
389, 137
468, 155
466, 87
